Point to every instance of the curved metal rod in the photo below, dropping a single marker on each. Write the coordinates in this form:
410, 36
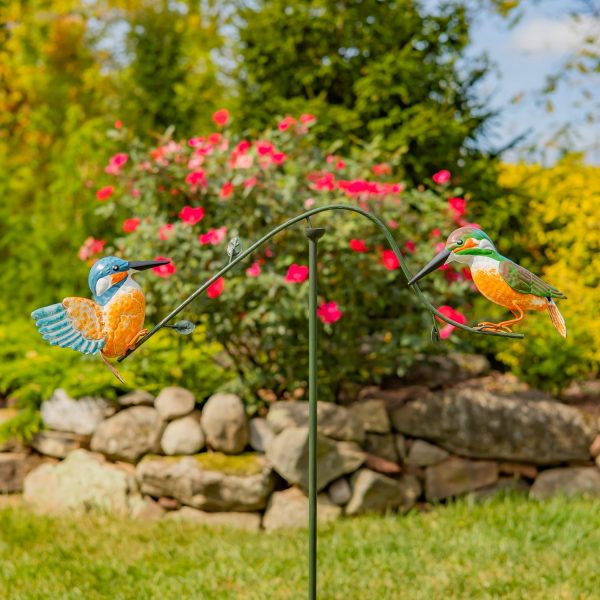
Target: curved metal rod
293, 221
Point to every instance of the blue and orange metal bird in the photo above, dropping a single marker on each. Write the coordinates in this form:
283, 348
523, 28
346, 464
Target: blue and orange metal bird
497, 278
112, 323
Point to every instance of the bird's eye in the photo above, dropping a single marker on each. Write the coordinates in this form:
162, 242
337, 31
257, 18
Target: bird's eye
459, 242
115, 268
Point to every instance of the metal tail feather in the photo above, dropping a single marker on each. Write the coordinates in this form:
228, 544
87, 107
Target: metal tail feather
111, 368
557, 319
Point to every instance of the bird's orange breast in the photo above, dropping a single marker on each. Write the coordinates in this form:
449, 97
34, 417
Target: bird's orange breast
491, 285
123, 319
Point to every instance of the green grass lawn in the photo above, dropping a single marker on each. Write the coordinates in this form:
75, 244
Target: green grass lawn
505, 548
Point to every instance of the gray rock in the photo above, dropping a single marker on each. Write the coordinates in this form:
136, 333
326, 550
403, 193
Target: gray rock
289, 510
288, 453
224, 423
144, 508
335, 422
136, 398
456, 476
401, 450
424, 454
340, 491
381, 445
13, 467
569, 481
129, 434
444, 370
213, 482
183, 436
261, 434
82, 416
373, 415
174, 402
237, 520
376, 493
82, 482
479, 424
59, 443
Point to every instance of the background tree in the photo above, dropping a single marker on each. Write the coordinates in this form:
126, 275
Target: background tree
370, 69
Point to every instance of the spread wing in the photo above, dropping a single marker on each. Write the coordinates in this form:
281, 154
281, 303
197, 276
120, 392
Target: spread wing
521, 280
74, 323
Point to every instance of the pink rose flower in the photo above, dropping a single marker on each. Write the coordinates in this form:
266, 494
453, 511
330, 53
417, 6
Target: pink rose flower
253, 270
90, 247
449, 312
286, 123
441, 177
104, 193
130, 225
390, 260
329, 312
358, 245
307, 118
191, 215
296, 273
213, 236
410, 246
221, 117
164, 270
226, 190
216, 288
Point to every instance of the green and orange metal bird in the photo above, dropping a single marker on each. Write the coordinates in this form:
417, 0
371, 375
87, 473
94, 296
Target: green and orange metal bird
499, 279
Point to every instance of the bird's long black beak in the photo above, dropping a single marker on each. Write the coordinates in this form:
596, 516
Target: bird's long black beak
435, 263
142, 265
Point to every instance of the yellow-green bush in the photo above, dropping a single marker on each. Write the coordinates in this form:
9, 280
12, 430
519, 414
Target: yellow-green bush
551, 222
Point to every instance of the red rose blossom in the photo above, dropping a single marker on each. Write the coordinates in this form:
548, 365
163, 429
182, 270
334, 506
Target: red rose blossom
329, 312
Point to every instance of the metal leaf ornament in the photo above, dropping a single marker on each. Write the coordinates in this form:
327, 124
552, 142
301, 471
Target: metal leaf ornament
182, 327
234, 248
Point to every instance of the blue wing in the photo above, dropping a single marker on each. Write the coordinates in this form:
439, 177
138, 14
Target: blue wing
74, 323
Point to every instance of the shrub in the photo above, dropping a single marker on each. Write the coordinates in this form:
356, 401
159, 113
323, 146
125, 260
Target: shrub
549, 223
184, 199
30, 370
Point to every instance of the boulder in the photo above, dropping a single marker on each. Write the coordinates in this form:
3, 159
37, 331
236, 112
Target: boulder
224, 423
237, 520
456, 476
183, 436
289, 509
82, 416
333, 421
174, 402
260, 433
288, 453
424, 454
373, 415
445, 370
145, 508
213, 482
383, 445
340, 491
382, 465
479, 424
568, 481
59, 443
129, 434
136, 398
375, 493
82, 482
13, 468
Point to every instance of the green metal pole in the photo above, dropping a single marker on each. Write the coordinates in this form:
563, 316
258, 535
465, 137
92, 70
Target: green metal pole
313, 235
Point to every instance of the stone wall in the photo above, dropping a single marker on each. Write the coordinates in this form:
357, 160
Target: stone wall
383, 450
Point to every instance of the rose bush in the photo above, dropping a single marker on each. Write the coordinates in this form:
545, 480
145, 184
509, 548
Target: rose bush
184, 199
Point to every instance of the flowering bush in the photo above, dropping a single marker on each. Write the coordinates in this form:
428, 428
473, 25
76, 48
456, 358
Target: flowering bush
184, 199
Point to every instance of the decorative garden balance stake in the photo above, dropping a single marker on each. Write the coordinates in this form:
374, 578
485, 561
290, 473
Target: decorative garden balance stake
499, 279
112, 325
